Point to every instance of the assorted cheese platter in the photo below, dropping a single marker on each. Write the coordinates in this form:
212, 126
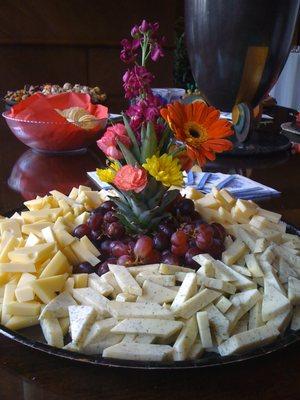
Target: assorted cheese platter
215, 310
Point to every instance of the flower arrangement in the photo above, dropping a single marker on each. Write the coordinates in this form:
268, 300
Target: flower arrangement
148, 153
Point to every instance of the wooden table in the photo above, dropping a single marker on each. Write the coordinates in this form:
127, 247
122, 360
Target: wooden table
31, 375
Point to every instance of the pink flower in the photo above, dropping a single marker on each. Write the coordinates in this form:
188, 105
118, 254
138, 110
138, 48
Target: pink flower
108, 143
131, 178
136, 80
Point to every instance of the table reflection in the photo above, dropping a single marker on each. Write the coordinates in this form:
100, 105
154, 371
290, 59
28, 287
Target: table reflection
36, 174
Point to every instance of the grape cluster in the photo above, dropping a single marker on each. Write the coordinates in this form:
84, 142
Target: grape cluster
176, 241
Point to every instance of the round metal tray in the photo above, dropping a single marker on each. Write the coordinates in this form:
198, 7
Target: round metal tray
33, 338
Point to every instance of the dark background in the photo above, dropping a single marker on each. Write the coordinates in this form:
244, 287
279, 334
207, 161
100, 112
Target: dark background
78, 41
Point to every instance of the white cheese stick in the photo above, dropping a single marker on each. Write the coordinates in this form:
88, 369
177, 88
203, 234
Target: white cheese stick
248, 340
274, 302
125, 280
294, 290
99, 330
185, 340
156, 293
196, 303
253, 266
95, 282
234, 252
147, 326
163, 280
219, 324
223, 304
187, 289
139, 352
126, 297
90, 297
121, 310
204, 329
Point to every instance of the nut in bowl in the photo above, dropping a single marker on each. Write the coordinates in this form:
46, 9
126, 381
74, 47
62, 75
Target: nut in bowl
57, 124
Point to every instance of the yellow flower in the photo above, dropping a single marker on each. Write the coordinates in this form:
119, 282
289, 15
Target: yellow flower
165, 169
106, 175
115, 166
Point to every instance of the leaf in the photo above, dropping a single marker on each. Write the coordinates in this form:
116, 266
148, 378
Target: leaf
129, 157
135, 146
164, 141
157, 220
149, 144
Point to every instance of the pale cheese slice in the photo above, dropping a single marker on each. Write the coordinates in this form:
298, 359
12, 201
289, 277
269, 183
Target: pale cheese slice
90, 297
16, 323
274, 302
121, 310
52, 332
126, 297
163, 280
204, 329
219, 324
185, 340
81, 319
294, 290
234, 252
295, 324
95, 282
157, 327
139, 352
196, 303
156, 293
26, 309
125, 280
58, 307
187, 289
248, 340
99, 330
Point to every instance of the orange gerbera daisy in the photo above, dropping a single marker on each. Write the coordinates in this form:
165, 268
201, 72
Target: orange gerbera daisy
200, 127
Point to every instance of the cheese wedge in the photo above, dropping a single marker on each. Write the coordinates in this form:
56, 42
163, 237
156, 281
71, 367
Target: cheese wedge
58, 307
57, 266
46, 288
274, 302
90, 297
99, 330
81, 319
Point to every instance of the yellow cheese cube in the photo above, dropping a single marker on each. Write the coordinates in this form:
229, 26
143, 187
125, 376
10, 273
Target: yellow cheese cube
35, 228
208, 201
50, 214
12, 226
82, 218
83, 254
89, 246
71, 256
80, 280
64, 238
37, 204
9, 246
74, 193
28, 309
9, 296
57, 266
48, 235
34, 254
46, 288
17, 267
59, 224
64, 206
20, 322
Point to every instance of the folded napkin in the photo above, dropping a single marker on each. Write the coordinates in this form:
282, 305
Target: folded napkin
238, 185
39, 107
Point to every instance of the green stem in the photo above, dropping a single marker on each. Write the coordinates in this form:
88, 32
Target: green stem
177, 151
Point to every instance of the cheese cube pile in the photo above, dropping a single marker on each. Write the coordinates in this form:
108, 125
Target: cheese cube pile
154, 312
37, 252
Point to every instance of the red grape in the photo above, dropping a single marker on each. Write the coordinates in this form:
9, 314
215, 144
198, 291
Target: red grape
143, 247
105, 247
170, 259
125, 260
219, 231
188, 229
193, 251
161, 241
152, 258
84, 268
204, 240
81, 230
108, 205
185, 207
120, 249
179, 250
94, 235
115, 230
179, 238
110, 216
166, 229
216, 249
95, 221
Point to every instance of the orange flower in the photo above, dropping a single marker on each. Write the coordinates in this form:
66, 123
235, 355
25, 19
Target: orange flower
131, 178
200, 127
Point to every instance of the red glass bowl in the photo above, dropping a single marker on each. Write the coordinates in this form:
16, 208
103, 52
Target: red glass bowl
54, 137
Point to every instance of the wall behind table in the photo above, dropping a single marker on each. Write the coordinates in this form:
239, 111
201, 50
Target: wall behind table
77, 41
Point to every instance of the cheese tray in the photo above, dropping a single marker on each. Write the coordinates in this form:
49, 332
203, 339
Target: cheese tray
37, 336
